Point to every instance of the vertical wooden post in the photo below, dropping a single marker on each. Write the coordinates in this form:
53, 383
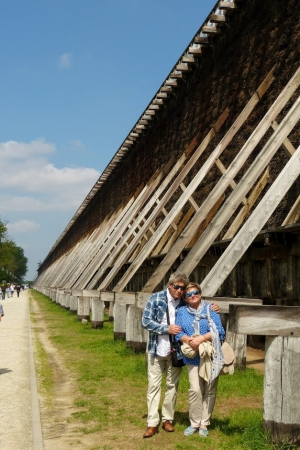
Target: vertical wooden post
67, 301
119, 321
111, 311
281, 325
63, 300
97, 307
73, 304
281, 389
238, 342
136, 335
83, 311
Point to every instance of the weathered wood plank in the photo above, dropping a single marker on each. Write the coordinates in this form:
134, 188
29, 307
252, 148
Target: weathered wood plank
228, 5
218, 192
121, 228
217, 18
294, 214
198, 178
76, 292
281, 389
90, 293
108, 258
107, 296
223, 302
288, 146
157, 211
264, 210
265, 320
125, 298
244, 212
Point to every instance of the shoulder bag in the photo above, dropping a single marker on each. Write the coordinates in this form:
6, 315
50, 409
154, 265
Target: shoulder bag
176, 362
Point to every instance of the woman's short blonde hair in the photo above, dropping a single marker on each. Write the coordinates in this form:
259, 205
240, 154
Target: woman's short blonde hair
194, 285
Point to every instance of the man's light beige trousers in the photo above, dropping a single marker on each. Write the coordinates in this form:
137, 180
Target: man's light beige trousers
157, 366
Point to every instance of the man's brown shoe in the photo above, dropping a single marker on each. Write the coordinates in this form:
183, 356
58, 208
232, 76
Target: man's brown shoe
151, 431
167, 426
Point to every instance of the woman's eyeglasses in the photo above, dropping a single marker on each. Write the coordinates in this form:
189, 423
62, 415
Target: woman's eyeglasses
189, 294
176, 287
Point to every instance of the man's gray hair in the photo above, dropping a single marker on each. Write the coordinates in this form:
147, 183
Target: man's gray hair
178, 277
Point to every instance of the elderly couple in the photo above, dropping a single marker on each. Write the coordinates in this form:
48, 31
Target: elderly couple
190, 324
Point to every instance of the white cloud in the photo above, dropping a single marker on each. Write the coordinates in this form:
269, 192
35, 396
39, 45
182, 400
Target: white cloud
65, 60
15, 151
22, 226
32, 183
77, 145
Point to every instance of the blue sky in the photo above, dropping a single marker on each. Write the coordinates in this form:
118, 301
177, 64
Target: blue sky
75, 77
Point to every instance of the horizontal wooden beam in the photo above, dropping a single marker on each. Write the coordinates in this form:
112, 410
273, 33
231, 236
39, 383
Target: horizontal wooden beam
223, 302
85, 293
188, 58
171, 82
195, 50
107, 296
125, 298
228, 5
218, 18
265, 320
184, 67
211, 30
176, 74
203, 40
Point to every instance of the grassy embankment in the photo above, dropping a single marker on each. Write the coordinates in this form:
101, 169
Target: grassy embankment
110, 397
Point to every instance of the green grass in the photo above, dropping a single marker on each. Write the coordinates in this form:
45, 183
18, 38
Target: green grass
112, 384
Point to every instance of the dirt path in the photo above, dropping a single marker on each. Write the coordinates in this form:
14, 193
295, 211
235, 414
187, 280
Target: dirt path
58, 432
255, 359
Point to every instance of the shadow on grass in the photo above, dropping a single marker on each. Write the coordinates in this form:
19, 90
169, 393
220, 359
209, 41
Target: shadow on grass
223, 425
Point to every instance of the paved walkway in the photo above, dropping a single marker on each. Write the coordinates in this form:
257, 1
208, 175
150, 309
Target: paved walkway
19, 407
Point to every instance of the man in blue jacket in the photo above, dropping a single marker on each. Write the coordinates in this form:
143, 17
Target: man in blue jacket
159, 357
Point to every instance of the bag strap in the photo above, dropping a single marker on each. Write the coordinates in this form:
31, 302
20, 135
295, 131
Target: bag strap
170, 337
208, 316
208, 312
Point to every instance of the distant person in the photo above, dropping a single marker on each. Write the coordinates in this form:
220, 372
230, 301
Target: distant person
3, 291
1, 312
8, 291
12, 290
18, 288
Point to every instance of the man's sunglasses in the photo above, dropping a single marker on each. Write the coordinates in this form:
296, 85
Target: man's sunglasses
189, 294
176, 287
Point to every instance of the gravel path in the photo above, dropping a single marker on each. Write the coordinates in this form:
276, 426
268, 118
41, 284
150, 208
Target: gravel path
20, 415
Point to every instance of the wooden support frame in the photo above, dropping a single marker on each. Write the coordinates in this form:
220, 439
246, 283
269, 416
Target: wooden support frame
110, 254
124, 224
254, 224
265, 320
171, 216
216, 224
281, 326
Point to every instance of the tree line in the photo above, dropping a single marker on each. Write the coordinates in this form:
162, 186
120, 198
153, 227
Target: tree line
13, 262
